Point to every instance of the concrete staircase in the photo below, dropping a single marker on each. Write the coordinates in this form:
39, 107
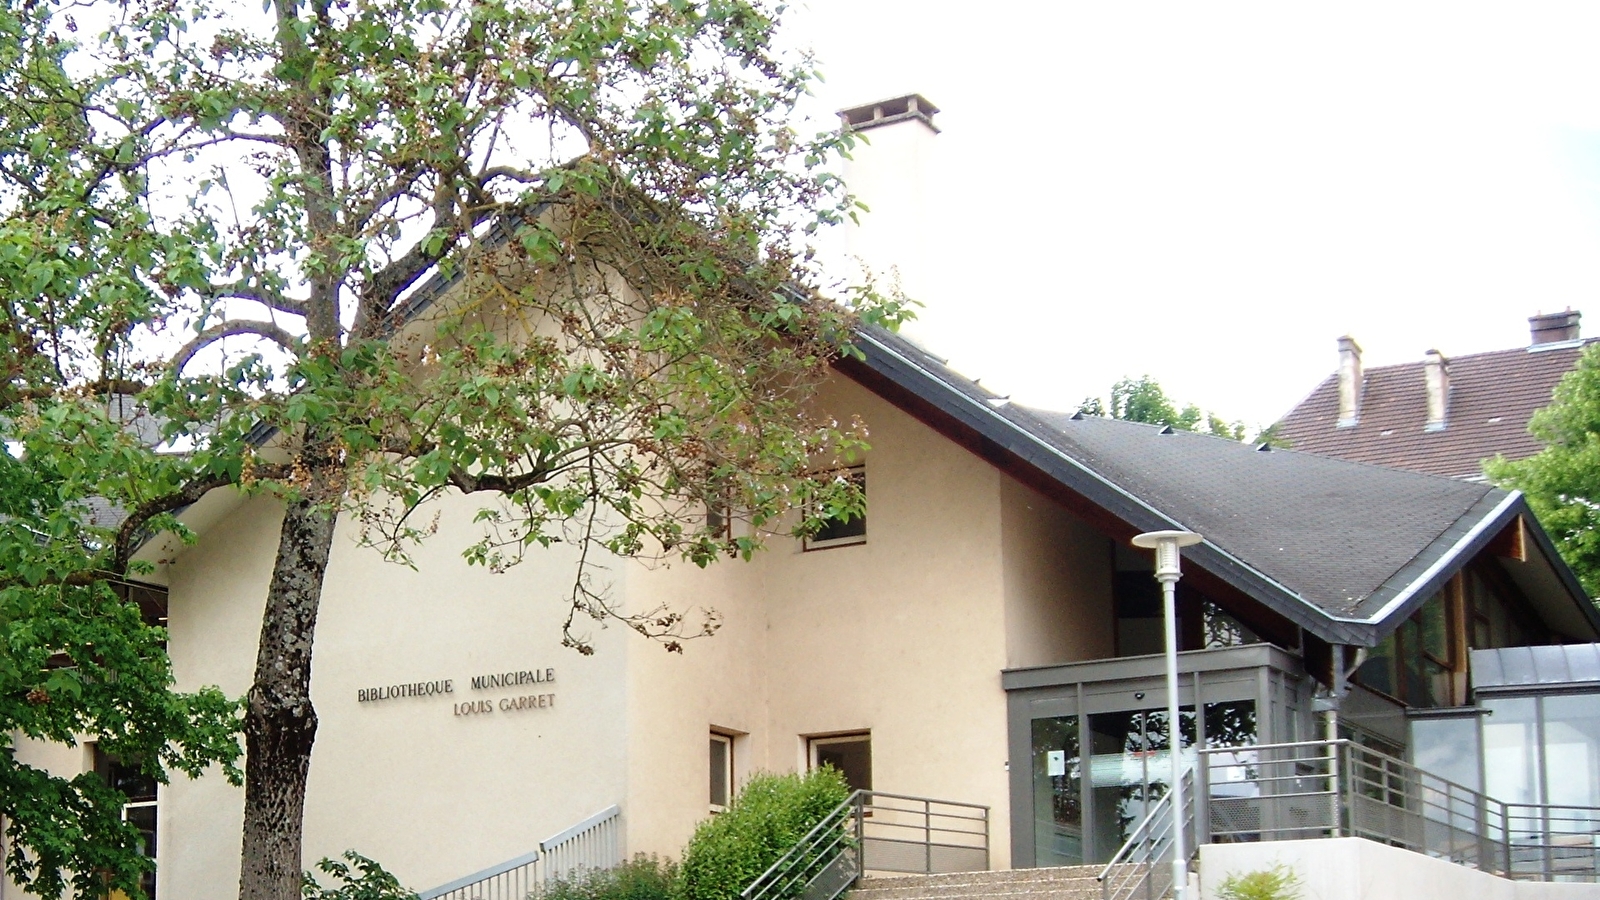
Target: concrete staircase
1062, 883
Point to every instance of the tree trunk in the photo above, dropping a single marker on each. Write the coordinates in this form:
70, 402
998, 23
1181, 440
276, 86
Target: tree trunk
280, 723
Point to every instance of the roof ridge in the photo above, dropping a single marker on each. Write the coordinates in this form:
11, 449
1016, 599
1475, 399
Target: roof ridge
1579, 344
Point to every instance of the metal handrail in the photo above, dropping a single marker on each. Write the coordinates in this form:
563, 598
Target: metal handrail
873, 830
494, 871
1148, 846
1313, 789
593, 844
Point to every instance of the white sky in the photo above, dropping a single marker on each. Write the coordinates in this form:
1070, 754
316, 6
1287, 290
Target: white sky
1213, 193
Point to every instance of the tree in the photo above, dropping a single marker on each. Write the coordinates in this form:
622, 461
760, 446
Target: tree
1143, 400
75, 659
1562, 482
228, 215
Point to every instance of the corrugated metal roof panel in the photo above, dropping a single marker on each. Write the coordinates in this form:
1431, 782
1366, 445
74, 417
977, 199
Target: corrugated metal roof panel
1536, 667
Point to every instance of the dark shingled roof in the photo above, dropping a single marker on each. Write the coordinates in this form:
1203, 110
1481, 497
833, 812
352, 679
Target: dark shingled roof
1335, 533
1346, 550
1491, 398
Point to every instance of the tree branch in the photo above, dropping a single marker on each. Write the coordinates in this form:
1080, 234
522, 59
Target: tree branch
244, 289
230, 328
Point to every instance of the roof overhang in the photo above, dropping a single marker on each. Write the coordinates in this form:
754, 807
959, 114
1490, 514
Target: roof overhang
1006, 437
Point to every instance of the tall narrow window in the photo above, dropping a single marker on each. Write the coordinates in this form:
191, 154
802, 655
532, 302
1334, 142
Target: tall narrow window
140, 809
851, 754
838, 532
721, 770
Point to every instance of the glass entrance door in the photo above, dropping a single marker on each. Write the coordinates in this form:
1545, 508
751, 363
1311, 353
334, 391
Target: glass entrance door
1129, 770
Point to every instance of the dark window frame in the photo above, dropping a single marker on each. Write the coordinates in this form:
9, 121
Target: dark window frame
858, 474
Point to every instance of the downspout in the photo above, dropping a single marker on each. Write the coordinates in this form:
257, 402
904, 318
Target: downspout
1329, 706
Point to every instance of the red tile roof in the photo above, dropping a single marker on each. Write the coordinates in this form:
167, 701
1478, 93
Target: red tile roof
1491, 398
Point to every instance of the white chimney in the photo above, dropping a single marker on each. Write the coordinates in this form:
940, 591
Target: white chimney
1349, 382
1436, 376
888, 171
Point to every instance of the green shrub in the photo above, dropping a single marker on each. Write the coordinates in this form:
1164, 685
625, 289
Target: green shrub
642, 878
766, 819
1276, 883
362, 879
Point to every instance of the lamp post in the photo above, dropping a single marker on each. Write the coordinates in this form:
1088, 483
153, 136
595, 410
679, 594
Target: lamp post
1166, 544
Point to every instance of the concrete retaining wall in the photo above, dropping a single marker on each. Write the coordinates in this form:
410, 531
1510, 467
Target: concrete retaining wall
1358, 869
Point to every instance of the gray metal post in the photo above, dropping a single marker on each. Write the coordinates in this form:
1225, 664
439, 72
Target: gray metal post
1166, 544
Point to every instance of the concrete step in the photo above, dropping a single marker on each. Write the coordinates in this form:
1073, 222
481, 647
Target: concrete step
1056, 890
1056, 883
1043, 873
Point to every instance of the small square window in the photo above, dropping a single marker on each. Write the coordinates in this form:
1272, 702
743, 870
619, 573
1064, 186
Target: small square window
842, 532
721, 771
851, 754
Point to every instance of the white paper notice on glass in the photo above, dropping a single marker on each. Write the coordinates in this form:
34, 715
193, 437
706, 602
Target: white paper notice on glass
1055, 762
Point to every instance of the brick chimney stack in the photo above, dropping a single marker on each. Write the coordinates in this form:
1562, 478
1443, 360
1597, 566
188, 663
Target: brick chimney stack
1553, 328
1436, 377
1349, 382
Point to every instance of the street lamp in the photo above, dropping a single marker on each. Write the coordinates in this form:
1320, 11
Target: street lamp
1166, 544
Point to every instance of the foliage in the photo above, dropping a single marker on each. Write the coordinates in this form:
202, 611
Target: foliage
357, 878
1562, 482
642, 878
77, 660
1277, 883
1144, 400
766, 819
222, 218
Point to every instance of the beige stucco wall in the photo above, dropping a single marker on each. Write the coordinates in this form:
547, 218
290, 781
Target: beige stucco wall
1058, 574
964, 573
431, 794
902, 636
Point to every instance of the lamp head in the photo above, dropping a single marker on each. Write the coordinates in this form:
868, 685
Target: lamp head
1166, 544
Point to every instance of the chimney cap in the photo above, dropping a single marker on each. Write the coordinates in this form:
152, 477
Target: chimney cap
1551, 328
1349, 343
887, 112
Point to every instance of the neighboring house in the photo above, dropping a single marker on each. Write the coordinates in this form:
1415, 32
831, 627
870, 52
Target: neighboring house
1439, 416
986, 634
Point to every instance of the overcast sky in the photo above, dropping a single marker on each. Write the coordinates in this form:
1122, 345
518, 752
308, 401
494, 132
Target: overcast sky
1213, 193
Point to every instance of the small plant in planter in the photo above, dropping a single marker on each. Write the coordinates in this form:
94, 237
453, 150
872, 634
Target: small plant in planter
1277, 883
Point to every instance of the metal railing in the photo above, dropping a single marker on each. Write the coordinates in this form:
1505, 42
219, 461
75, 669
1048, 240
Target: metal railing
1143, 865
1553, 843
589, 846
1316, 789
876, 831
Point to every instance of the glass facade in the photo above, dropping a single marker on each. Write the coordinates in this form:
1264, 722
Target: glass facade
1416, 662
1057, 792
1447, 746
1086, 803
1572, 749
1543, 749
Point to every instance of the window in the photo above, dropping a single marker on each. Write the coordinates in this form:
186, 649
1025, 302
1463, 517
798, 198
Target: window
851, 754
842, 532
140, 810
1416, 663
721, 770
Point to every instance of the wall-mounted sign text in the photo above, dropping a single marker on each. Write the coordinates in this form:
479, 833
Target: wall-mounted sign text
513, 679
414, 689
497, 680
